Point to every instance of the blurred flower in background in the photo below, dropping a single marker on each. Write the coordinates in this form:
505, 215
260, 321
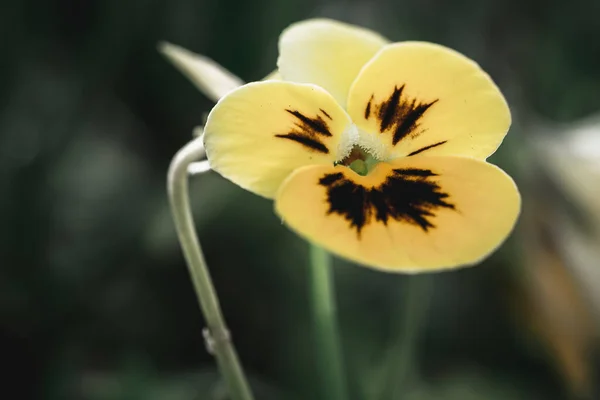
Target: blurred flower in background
561, 247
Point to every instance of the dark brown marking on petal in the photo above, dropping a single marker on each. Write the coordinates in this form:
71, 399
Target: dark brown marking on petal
325, 114
306, 141
313, 125
415, 172
422, 149
407, 195
388, 110
409, 122
399, 114
308, 131
368, 108
330, 178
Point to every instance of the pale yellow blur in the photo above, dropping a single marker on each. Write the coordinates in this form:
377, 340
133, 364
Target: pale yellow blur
209, 77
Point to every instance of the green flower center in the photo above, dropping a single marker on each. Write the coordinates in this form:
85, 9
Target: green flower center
359, 161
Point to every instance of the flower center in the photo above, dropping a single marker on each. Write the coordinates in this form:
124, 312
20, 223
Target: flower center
359, 161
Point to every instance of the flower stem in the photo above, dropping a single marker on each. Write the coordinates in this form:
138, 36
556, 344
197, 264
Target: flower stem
400, 362
325, 319
217, 335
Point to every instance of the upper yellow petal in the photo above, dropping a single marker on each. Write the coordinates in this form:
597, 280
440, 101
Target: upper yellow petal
415, 97
327, 53
414, 214
258, 134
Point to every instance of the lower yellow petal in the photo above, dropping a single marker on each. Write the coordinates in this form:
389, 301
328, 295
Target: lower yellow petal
258, 134
413, 214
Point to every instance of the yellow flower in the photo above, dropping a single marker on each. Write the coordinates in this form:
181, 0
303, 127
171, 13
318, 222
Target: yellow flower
374, 150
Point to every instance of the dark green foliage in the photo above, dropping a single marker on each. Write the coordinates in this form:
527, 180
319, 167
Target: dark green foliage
95, 300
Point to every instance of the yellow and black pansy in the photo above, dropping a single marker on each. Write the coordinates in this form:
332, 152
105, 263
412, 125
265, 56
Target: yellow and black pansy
374, 150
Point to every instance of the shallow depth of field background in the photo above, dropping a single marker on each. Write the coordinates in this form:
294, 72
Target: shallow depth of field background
95, 300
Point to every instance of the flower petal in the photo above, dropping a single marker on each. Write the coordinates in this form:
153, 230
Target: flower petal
258, 134
411, 215
211, 78
415, 97
327, 53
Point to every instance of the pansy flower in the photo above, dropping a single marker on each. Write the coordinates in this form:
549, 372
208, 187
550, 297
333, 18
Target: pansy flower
373, 150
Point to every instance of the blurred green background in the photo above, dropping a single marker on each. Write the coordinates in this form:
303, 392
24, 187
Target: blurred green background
95, 299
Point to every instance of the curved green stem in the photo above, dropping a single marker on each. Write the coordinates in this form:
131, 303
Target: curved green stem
325, 318
216, 334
